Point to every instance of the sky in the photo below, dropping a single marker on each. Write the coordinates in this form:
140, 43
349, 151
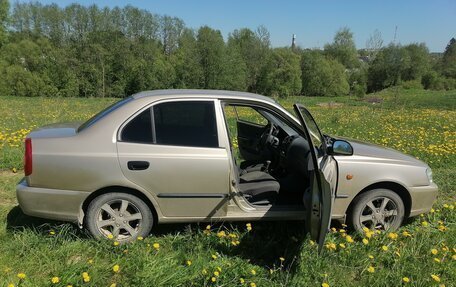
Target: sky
314, 22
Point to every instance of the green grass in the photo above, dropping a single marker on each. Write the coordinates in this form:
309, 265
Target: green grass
424, 128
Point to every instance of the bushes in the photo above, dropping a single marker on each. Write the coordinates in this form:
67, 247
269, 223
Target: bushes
433, 81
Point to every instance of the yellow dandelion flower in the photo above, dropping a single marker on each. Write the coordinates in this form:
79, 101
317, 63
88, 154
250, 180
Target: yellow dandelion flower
208, 227
342, 230
371, 269
110, 236
116, 268
14, 170
341, 245
365, 241
442, 228
21, 276
85, 277
424, 223
115, 243
242, 280
453, 257
252, 284
405, 279
406, 234
140, 238
55, 280
385, 248
333, 229
213, 279
52, 232
113, 285
432, 210
188, 262
281, 259
253, 272
219, 269
156, 246
90, 261
324, 284
249, 226
204, 272
434, 251
214, 256
437, 260
11, 285
349, 239
216, 273
392, 236
435, 277
370, 256
221, 234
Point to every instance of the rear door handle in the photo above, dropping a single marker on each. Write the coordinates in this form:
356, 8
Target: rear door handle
138, 165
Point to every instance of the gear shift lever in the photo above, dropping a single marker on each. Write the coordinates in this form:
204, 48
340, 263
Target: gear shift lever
265, 167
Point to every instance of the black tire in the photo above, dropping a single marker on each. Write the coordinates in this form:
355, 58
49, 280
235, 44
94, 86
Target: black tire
107, 215
392, 214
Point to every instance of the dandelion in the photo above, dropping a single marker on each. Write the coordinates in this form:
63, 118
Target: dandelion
405, 279
437, 260
434, 251
113, 285
252, 284
242, 280
219, 269
216, 273
435, 277
370, 256
21, 276
156, 246
188, 262
249, 226
342, 230
140, 238
221, 234
110, 236
208, 227
311, 242
349, 239
214, 256
365, 241
385, 248
253, 272
371, 269
341, 245
85, 277
213, 279
331, 246
115, 243
432, 210
453, 257
11, 285
424, 223
392, 236
324, 284
281, 259
204, 272
406, 234
55, 280
442, 228
90, 261
52, 232
116, 268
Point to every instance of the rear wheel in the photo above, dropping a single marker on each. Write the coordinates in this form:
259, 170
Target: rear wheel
119, 216
377, 209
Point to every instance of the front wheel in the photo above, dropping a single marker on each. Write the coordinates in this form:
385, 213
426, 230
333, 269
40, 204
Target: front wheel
119, 216
377, 209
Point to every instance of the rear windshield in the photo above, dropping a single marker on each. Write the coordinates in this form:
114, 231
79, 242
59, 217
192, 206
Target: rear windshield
103, 113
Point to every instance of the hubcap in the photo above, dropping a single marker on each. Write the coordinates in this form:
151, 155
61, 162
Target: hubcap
379, 213
119, 218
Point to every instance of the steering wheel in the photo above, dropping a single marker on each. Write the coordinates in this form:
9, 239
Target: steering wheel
267, 136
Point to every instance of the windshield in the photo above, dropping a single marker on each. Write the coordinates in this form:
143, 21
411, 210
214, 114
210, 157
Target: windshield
314, 131
103, 113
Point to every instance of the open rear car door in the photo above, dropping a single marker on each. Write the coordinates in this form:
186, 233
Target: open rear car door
318, 198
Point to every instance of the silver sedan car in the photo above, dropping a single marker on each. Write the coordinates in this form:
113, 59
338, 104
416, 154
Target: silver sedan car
200, 155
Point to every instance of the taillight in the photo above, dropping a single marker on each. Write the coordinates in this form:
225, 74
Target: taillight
28, 157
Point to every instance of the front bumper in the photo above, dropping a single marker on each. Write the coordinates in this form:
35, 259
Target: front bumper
48, 203
423, 197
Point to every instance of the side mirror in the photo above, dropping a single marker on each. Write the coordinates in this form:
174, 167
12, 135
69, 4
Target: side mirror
341, 147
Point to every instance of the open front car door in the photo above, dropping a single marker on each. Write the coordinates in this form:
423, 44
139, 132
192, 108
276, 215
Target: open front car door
318, 198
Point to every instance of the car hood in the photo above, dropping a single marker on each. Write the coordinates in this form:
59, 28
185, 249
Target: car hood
55, 130
365, 149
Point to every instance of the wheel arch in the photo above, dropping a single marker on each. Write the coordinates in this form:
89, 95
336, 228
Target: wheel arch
398, 188
116, 188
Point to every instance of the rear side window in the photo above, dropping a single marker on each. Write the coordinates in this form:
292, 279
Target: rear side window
187, 123
139, 129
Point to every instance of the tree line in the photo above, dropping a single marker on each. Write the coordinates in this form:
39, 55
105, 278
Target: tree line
88, 51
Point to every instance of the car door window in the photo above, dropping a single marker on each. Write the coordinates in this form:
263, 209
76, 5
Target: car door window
139, 129
250, 115
185, 123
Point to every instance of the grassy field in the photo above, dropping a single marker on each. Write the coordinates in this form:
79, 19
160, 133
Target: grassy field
421, 253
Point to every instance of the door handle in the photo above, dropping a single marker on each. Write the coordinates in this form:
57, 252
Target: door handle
138, 165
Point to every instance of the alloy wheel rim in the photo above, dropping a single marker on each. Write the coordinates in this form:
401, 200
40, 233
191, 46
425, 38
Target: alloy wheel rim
119, 219
379, 213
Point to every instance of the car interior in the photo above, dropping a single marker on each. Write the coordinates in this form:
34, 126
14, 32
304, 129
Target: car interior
271, 159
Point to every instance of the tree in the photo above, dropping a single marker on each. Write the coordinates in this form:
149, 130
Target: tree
374, 44
449, 60
4, 13
343, 49
321, 76
282, 74
234, 70
418, 62
211, 49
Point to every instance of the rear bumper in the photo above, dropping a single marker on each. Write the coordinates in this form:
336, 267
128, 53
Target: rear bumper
423, 197
47, 203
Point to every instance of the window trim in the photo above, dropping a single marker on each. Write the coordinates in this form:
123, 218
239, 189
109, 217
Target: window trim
151, 107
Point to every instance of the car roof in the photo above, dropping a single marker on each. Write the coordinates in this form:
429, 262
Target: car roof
204, 93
